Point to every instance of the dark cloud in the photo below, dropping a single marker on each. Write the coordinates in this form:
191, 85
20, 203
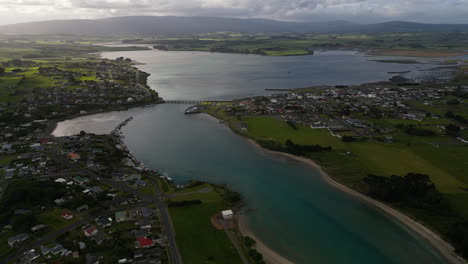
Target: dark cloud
448, 11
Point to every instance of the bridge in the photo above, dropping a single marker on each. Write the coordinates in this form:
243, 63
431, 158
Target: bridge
192, 101
182, 102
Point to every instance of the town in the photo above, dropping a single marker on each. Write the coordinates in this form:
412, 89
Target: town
359, 111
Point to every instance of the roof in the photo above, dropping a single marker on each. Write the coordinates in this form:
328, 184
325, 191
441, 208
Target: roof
73, 156
145, 242
122, 215
91, 230
227, 212
80, 179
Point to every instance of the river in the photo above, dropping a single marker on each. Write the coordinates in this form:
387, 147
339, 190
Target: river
293, 210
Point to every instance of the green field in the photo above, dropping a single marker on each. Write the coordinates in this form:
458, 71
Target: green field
199, 242
351, 162
409, 45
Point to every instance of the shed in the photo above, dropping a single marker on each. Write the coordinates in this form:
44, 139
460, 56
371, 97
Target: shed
227, 214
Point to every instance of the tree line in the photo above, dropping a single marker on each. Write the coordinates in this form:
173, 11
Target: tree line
291, 147
418, 193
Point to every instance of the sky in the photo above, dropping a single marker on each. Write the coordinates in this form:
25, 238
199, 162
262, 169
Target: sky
360, 11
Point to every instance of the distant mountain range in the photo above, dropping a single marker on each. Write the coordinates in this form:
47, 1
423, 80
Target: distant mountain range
172, 25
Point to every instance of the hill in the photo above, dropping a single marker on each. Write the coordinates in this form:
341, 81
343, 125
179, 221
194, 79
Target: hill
172, 25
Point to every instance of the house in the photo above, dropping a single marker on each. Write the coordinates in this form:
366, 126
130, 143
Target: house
60, 180
103, 221
23, 212
67, 215
45, 250
90, 230
144, 242
132, 177
227, 214
145, 212
37, 228
96, 190
82, 208
145, 232
57, 249
140, 183
36, 146
32, 255
18, 239
74, 156
59, 201
92, 259
143, 223
9, 173
80, 180
122, 216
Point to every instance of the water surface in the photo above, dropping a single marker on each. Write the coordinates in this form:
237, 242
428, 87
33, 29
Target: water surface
293, 211
203, 75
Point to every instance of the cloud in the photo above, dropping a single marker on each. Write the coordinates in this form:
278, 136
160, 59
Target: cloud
12, 11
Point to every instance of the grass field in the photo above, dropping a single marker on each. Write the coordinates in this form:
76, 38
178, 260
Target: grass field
53, 219
199, 242
278, 130
429, 45
4, 247
350, 162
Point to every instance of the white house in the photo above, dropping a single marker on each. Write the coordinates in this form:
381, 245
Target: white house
227, 214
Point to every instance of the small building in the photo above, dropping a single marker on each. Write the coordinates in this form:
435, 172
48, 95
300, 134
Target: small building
82, 208
32, 255
90, 230
57, 249
60, 180
144, 223
37, 228
144, 242
16, 240
45, 250
80, 180
227, 214
74, 156
103, 221
23, 212
122, 216
140, 183
67, 215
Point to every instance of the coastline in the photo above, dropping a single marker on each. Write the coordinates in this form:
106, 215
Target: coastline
444, 248
269, 256
52, 123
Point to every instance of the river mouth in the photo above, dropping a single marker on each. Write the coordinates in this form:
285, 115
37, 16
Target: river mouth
292, 209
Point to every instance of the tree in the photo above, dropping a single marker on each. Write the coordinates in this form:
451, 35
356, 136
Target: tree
249, 242
2, 70
452, 130
348, 139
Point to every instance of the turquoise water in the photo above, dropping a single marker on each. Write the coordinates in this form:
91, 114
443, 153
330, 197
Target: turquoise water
292, 209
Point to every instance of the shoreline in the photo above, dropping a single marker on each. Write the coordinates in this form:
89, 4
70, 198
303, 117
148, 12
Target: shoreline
441, 246
269, 256
52, 123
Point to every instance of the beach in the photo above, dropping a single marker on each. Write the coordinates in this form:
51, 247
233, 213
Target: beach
269, 256
444, 248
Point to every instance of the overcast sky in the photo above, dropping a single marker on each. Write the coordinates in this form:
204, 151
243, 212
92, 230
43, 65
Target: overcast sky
363, 11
